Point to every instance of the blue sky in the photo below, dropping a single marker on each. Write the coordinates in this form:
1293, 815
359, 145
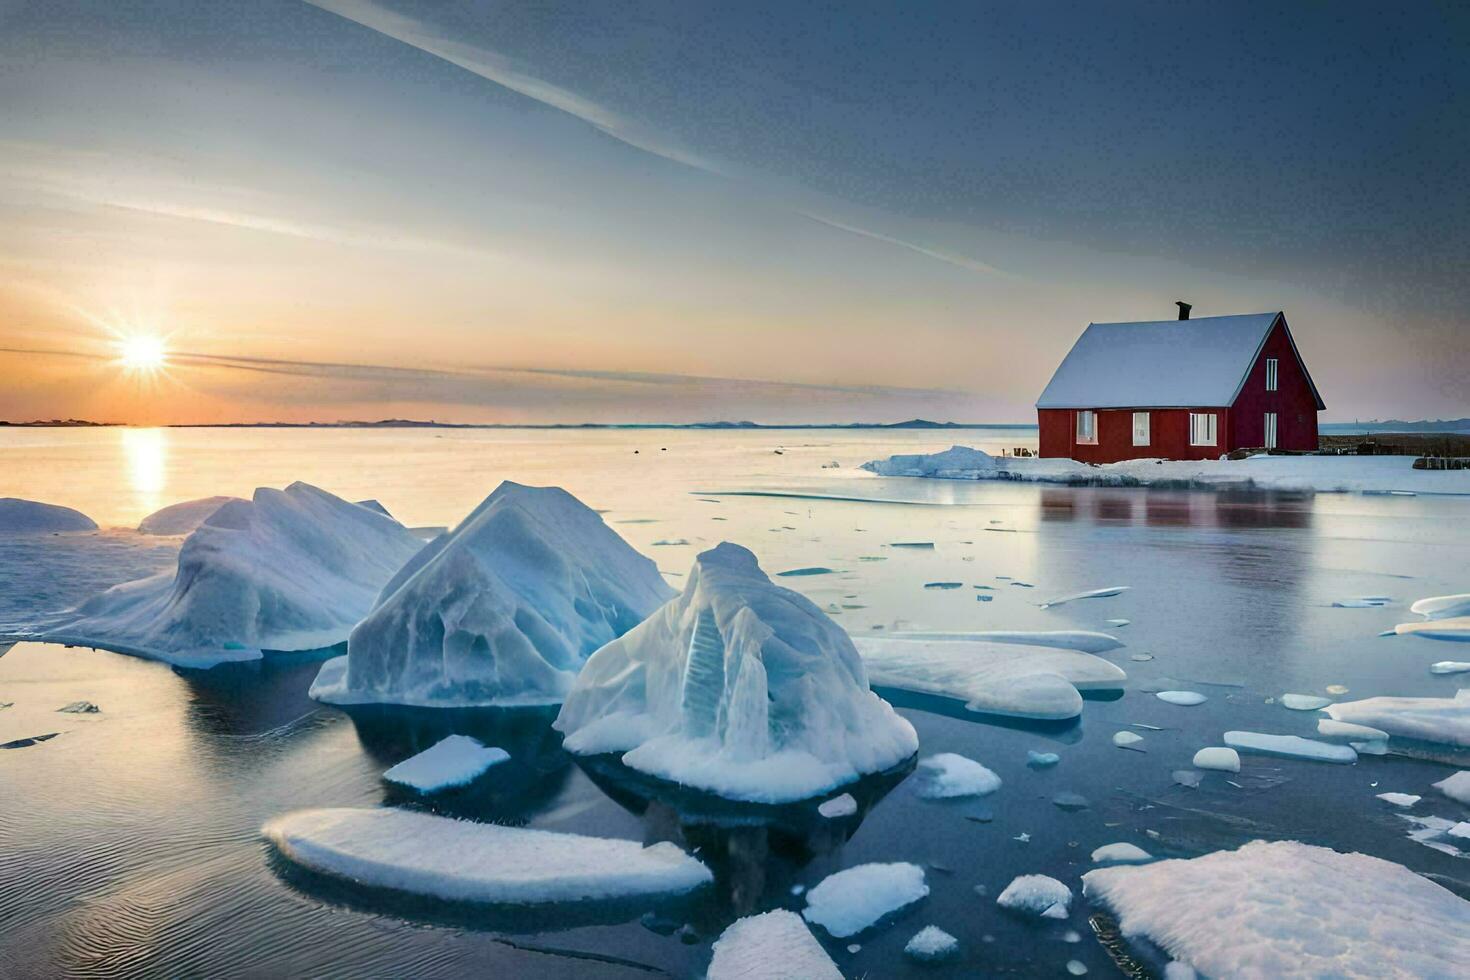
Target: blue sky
502, 212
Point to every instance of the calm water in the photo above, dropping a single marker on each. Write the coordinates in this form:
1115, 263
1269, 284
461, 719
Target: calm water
129, 843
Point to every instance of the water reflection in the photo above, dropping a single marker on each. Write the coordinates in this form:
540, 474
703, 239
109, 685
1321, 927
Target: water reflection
1177, 508
146, 452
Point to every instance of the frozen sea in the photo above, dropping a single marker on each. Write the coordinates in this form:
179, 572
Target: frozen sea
130, 845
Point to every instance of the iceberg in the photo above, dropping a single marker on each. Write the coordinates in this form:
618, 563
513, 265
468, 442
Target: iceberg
289, 569
1085, 641
738, 687
771, 946
1290, 747
463, 861
852, 900
182, 518
994, 678
1289, 909
18, 516
931, 944
453, 761
502, 611
949, 776
1456, 787
1442, 720
1443, 606
1217, 758
1038, 895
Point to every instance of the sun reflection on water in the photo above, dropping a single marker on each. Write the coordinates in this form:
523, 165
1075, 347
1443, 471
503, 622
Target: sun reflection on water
146, 451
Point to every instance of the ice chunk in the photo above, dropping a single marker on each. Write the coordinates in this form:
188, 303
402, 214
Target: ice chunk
1443, 606
996, 678
739, 687
1362, 602
290, 569
1290, 909
453, 761
1304, 702
1041, 760
849, 901
838, 806
956, 463
1102, 593
1119, 622
19, 516
458, 860
1085, 641
503, 610
1037, 894
1124, 739
1342, 731
1449, 667
1444, 720
1122, 853
182, 518
1290, 746
931, 944
1218, 758
947, 776
79, 708
1457, 629
771, 946
1399, 799
1456, 787
1183, 698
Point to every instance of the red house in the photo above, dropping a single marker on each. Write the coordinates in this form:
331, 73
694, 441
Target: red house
1180, 389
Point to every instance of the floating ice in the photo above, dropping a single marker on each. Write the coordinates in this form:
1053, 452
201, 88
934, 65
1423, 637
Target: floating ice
838, 806
503, 610
1188, 777
1185, 699
1124, 739
1122, 853
737, 686
799, 572
453, 761
1119, 622
1456, 787
995, 678
1455, 630
1304, 702
1443, 606
1290, 909
1076, 967
1085, 641
1217, 758
290, 569
931, 944
79, 708
183, 518
1037, 894
19, 516
1290, 747
459, 860
1342, 731
857, 898
1449, 667
1102, 593
1444, 720
1070, 801
948, 776
1399, 799
1363, 602
1041, 760
772, 946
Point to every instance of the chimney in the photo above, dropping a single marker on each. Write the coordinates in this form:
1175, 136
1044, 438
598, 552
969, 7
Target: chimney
1184, 309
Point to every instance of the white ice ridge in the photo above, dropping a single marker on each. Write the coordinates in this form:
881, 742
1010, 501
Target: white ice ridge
1038, 894
739, 687
1290, 747
459, 860
1443, 606
1360, 474
1287, 909
855, 899
1443, 720
994, 678
453, 761
1085, 641
949, 776
182, 518
289, 569
1102, 593
503, 610
771, 946
18, 516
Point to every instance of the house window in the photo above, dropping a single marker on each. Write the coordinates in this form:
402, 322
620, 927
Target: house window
1140, 429
1270, 430
1270, 374
1202, 428
1087, 427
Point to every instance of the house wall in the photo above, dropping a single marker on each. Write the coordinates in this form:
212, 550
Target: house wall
1168, 435
1295, 408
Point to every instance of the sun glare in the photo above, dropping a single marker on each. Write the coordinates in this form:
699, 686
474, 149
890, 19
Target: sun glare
142, 352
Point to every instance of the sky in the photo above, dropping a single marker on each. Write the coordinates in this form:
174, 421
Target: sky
814, 212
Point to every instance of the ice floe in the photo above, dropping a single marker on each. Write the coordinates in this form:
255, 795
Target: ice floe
739, 687
453, 761
1184, 699
1037, 894
931, 944
460, 860
1084, 641
1449, 667
1290, 747
994, 678
1362, 602
770, 946
1346, 732
838, 806
1217, 758
1442, 720
1304, 702
503, 610
1456, 787
1454, 630
1399, 799
1041, 760
947, 776
183, 518
1126, 739
855, 899
18, 516
1443, 606
1289, 909
289, 569
1121, 853
1102, 593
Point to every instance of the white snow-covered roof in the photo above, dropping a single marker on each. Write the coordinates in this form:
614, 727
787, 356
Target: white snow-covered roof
1160, 363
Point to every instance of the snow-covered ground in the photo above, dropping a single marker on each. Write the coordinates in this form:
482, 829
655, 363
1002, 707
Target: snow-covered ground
1348, 474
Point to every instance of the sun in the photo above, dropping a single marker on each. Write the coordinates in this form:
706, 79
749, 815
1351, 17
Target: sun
142, 352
